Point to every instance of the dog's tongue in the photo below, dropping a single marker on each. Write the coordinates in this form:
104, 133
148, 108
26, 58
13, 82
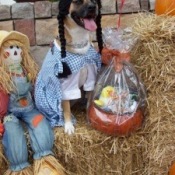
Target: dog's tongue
90, 24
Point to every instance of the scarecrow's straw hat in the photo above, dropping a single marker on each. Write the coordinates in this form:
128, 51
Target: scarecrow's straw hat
14, 35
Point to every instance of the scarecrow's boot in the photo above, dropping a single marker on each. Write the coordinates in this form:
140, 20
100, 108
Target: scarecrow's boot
48, 165
25, 171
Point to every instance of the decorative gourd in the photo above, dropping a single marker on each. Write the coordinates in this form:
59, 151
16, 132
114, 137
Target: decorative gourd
172, 170
165, 7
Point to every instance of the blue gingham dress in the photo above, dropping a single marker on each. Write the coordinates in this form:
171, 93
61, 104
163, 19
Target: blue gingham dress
48, 94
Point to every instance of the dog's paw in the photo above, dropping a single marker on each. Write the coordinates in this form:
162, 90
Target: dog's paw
69, 128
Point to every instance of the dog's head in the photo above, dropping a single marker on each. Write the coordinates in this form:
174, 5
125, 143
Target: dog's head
84, 13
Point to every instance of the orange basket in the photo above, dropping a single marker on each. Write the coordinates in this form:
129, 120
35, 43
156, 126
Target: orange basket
114, 124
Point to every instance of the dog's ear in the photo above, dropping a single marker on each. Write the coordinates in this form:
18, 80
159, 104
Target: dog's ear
66, 71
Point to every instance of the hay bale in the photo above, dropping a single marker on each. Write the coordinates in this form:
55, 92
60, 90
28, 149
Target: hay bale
154, 57
90, 152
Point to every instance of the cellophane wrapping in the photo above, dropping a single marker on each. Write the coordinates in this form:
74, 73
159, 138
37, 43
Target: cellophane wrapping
119, 99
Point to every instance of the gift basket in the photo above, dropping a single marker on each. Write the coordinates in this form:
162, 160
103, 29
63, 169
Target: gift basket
119, 99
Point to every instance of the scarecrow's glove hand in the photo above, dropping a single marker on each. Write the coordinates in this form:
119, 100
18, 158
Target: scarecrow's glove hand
69, 128
66, 71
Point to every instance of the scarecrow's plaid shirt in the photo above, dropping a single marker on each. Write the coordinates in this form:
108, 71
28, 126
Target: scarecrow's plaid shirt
48, 93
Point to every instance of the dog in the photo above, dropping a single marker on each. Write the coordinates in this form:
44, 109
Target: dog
71, 62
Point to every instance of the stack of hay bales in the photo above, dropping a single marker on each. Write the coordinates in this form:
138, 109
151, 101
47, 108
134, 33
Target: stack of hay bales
150, 150
154, 57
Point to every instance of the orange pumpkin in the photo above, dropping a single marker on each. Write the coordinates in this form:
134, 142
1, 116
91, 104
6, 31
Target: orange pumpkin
165, 7
112, 124
172, 170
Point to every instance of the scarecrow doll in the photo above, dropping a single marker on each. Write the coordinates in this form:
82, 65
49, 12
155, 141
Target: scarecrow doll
17, 75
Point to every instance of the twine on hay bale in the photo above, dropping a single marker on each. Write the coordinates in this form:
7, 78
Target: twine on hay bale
154, 57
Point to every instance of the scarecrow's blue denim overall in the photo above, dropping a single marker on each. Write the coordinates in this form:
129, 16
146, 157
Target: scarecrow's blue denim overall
40, 132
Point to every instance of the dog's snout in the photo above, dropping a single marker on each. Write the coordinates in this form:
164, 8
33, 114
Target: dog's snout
91, 8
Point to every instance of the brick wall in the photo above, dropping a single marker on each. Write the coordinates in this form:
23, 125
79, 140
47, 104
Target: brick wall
38, 20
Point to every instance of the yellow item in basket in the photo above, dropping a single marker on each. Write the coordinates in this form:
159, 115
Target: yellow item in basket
105, 96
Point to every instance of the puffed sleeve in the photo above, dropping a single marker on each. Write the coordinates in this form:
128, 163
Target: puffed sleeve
4, 100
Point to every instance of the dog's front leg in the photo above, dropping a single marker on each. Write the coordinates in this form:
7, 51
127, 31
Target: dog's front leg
68, 126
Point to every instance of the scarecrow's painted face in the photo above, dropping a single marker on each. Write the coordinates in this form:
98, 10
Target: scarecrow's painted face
12, 55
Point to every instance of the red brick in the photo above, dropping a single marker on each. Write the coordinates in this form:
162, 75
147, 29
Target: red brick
27, 27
